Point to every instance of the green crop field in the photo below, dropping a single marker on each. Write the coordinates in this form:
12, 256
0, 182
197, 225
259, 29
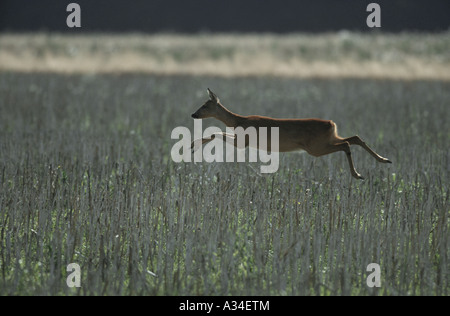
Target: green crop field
86, 177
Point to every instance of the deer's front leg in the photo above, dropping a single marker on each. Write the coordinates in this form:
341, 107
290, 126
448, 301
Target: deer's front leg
196, 144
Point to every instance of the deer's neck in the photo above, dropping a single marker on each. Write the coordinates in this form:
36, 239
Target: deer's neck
229, 118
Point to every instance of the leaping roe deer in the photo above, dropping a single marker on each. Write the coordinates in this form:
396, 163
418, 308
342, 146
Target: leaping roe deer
317, 137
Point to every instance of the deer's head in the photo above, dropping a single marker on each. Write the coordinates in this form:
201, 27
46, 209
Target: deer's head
209, 108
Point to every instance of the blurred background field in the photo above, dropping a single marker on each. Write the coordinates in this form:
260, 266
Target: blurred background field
330, 55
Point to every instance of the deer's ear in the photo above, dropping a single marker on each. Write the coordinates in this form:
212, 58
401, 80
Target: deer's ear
212, 96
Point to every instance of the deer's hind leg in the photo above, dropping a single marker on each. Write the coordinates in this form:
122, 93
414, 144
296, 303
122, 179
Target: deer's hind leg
345, 147
338, 145
356, 140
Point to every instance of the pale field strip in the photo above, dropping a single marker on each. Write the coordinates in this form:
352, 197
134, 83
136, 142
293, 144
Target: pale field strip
406, 56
